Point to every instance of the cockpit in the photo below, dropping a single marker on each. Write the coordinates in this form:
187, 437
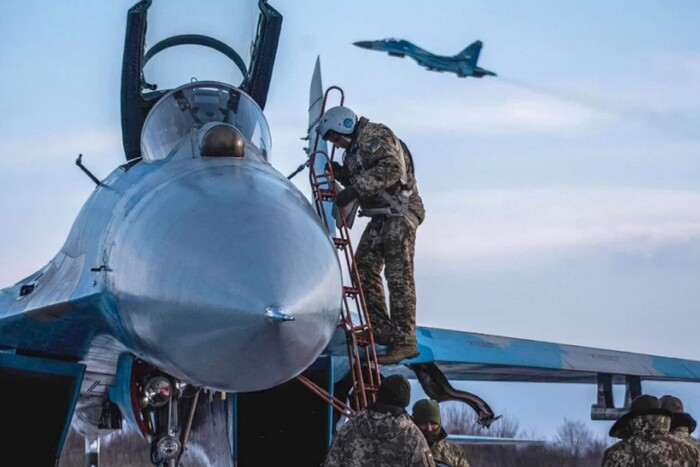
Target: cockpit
151, 133
185, 110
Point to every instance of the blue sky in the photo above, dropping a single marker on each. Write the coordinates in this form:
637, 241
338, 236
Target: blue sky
563, 196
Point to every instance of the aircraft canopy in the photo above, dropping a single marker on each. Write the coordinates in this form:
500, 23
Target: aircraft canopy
186, 109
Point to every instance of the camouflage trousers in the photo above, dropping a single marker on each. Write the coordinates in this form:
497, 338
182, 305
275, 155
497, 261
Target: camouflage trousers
388, 243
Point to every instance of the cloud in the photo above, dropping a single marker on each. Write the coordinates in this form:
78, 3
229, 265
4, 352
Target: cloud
497, 225
657, 91
519, 114
678, 64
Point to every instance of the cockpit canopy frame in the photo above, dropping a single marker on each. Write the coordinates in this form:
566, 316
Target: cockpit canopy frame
138, 97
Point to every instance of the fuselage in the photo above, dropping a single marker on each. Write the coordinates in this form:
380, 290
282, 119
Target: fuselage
216, 270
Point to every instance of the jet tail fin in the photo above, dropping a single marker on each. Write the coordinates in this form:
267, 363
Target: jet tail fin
471, 53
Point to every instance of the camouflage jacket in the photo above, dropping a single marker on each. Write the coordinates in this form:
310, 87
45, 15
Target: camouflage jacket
448, 452
372, 439
682, 434
650, 445
373, 162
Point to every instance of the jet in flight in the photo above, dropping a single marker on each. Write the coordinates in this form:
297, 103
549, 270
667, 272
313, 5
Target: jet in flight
196, 271
463, 64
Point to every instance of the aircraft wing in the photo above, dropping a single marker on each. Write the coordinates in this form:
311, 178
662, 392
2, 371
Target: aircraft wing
467, 356
492, 440
447, 356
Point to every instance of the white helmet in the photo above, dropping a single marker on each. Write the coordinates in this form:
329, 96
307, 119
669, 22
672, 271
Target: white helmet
339, 119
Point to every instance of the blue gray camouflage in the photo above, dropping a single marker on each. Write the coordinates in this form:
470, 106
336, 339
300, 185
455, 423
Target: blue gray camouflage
373, 439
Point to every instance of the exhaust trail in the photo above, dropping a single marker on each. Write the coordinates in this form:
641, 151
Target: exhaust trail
683, 123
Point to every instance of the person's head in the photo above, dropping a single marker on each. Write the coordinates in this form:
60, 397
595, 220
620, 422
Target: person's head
426, 415
641, 406
337, 126
679, 418
394, 390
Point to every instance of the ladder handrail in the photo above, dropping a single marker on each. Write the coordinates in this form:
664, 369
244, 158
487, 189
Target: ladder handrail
364, 385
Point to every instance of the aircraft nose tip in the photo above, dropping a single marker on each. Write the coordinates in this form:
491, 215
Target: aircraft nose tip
277, 314
228, 300
364, 44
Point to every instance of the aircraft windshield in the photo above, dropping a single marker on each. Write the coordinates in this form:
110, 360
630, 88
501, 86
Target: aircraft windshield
187, 108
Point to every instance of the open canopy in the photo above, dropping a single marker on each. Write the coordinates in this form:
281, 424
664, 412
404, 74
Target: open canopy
252, 53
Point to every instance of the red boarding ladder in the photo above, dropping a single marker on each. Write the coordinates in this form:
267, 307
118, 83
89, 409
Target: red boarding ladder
362, 356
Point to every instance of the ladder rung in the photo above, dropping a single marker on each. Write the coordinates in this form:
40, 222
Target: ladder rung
350, 290
340, 242
360, 336
361, 341
346, 325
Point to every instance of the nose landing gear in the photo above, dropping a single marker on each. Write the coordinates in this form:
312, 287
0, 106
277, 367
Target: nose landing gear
161, 400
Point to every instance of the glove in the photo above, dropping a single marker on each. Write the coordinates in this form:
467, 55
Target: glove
336, 166
346, 196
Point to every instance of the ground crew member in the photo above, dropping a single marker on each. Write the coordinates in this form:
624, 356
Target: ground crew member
377, 169
426, 415
620, 431
649, 442
383, 434
682, 423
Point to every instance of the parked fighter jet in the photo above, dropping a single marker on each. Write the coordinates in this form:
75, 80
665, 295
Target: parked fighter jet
463, 64
197, 268
173, 271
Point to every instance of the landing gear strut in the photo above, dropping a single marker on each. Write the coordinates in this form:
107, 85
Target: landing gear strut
161, 397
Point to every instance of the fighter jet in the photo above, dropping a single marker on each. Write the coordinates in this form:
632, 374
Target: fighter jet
463, 64
180, 272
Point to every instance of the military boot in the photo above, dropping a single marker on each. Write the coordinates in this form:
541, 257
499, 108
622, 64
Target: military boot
398, 353
379, 338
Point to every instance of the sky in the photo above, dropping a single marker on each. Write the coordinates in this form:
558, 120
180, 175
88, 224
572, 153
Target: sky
562, 197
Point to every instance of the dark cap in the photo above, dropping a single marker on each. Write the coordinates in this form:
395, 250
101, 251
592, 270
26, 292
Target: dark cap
426, 411
395, 390
678, 415
641, 405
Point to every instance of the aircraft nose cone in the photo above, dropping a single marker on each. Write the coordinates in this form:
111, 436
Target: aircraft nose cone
363, 44
243, 290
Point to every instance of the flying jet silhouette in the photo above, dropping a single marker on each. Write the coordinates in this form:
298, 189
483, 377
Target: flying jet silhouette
463, 64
